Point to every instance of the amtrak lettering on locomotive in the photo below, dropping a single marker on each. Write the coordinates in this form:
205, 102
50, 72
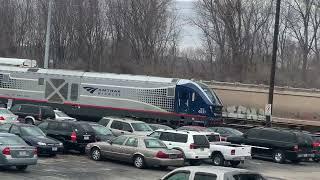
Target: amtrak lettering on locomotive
94, 95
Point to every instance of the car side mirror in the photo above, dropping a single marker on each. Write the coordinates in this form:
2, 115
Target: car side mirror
130, 130
109, 141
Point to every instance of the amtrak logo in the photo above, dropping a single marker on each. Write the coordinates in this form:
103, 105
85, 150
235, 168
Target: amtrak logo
102, 91
90, 89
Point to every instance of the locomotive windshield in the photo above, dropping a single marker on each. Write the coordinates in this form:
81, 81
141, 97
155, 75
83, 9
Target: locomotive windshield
211, 94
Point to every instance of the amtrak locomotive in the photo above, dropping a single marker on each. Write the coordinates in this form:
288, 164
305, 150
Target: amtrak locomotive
90, 95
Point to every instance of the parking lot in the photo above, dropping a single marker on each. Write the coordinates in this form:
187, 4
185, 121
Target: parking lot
81, 167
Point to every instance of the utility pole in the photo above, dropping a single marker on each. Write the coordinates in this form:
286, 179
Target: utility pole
274, 61
46, 55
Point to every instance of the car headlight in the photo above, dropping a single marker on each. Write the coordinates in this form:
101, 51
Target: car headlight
60, 144
41, 144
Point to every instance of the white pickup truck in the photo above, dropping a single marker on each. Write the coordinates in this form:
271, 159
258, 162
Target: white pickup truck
223, 152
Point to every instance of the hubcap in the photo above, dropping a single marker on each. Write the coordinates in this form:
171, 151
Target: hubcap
138, 162
278, 157
216, 160
95, 154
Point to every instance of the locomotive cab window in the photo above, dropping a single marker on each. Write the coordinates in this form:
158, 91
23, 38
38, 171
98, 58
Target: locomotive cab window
74, 92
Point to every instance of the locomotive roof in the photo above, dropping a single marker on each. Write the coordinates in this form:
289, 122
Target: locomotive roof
93, 74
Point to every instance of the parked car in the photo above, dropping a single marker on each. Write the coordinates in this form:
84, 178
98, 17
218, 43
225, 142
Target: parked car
211, 173
159, 126
59, 115
126, 126
32, 114
73, 134
7, 116
15, 152
33, 136
142, 151
193, 145
225, 132
102, 133
278, 144
222, 152
316, 146
195, 128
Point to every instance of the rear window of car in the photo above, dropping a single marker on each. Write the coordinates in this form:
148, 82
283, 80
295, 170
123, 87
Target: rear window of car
213, 138
154, 143
200, 140
248, 177
316, 138
5, 111
11, 140
83, 127
141, 127
104, 122
304, 139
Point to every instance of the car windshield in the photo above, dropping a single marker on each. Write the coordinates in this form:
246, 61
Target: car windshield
234, 132
5, 111
211, 94
316, 138
154, 143
11, 140
61, 114
31, 131
141, 127
101, 130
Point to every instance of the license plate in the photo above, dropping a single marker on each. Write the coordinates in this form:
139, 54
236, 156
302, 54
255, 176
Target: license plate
86, 137
173, 156
22, 153
306, 155
54, 149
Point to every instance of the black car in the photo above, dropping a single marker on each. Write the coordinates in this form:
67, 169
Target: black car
226, 132
73, 134
102, 133
33, 136
32, 114
278, 144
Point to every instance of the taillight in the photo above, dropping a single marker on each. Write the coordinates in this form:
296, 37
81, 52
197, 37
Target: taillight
193, 146
296, 148
73, 136
162, 155
180, 155
35, 151
223, 138
233, 152
6, 151
2, 118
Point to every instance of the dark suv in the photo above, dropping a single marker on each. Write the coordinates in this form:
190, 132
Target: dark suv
32, 114
73, 134
278, 144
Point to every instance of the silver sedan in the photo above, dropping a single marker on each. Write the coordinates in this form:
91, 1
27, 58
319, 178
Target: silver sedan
7, 116
15, 152
142, 151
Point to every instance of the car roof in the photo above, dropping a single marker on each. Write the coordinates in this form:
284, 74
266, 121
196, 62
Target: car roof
213, 169
181, 132
124, 119
67, 121
6, 134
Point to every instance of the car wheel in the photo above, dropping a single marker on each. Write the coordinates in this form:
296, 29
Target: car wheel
279, 156
22, 168
217, 159
234, 163
29, 121
138, 162
96, 154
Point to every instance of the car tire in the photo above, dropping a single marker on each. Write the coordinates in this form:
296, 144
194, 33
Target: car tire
29, 121
95, 154
139, 162
234, 163
22, 167
217, 159
278, 156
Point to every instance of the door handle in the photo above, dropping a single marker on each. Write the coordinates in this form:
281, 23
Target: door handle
122, 132
170, 144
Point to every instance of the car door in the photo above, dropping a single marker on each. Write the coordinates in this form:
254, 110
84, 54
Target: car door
15, 130
253, 138
129, 148
116, 128
168, 139
52, 131
114, 150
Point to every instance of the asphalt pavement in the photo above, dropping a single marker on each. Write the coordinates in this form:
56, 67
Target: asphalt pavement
80, 167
